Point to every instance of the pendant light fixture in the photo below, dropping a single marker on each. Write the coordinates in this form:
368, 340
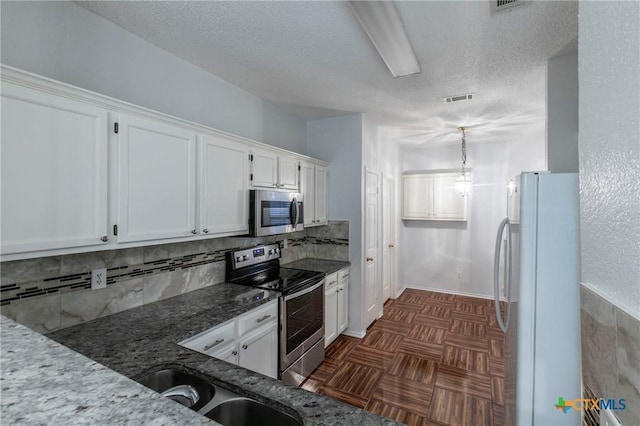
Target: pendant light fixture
463, 182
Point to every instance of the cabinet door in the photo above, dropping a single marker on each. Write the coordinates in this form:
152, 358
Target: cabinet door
321, 195
417, 197
156, 172
224, 186
307, 188
264, 168
288, 173
259, 351
343, 305
54, 172
448, 205
330, 315
229, 354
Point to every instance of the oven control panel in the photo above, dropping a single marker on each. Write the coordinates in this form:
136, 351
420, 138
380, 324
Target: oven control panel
255, 255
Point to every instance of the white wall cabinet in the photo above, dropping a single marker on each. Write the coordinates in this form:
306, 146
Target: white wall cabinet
249, 340
156, 180
313, 185
270, 170
432, 197
224, 186
336, 305
54, 172
72, 182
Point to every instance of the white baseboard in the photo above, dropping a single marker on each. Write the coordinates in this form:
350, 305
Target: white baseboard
457, 292
354, 333
399, 292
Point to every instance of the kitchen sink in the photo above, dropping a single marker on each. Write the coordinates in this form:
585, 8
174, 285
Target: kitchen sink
184, 388
246, 412
215, 402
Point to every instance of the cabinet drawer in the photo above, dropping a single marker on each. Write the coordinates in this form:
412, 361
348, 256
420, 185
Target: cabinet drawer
258, 317
212, 340
331, 280
343, 274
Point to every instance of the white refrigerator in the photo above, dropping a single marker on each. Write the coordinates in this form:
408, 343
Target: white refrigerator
537, 277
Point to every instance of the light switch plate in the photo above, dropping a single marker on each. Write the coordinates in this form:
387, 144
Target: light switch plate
98, 279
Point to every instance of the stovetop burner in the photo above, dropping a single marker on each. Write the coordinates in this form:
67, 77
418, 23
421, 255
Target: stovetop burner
263, 270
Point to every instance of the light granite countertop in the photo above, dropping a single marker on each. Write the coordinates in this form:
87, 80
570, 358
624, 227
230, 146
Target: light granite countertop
134, 343
45, 383
318, 265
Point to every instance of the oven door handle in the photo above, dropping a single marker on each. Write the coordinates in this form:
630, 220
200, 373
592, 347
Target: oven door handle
305, 291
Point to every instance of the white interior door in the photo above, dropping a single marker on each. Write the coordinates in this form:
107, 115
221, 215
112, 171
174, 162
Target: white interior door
388, 238
371, 278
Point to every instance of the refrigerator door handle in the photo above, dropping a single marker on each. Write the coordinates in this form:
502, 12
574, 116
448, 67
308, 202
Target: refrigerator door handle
504, 325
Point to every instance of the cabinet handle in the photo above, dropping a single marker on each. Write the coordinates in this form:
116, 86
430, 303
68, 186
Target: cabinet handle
369, 259
391, 245
216, 343
205, 230
234, 353
194, 232
244, 347
263, 318
104, 239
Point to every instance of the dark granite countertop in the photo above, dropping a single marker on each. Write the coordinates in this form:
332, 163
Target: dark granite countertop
318, 265
144, 339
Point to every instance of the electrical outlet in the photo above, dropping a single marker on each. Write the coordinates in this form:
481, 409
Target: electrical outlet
459, 275
98, 279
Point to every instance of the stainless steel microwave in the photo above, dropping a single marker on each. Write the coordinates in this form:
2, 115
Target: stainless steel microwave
275, 212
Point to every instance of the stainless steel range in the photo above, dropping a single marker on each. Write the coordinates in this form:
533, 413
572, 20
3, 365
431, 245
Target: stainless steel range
301, 307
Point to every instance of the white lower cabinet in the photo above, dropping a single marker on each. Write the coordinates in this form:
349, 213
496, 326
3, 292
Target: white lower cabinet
258, 351
249, 340
336, 305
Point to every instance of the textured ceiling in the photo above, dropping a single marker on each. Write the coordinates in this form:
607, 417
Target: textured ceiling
314, 59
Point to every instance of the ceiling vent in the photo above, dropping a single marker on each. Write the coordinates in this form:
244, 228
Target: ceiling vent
504, 5
458, 98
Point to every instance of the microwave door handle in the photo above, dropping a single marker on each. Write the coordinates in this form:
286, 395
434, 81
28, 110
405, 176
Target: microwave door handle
294, 218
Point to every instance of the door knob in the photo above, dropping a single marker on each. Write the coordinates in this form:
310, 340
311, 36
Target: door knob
369, 259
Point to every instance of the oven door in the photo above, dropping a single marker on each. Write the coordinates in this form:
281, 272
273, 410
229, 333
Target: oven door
275, 212
302, 322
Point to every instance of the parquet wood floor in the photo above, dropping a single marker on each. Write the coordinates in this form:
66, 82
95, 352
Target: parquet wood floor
432, 359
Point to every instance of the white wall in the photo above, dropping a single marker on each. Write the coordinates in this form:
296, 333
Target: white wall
433, 252
63, 41
562, 114
609, 52
338, 140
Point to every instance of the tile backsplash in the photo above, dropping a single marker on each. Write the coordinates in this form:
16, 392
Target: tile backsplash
54, 292
611, 353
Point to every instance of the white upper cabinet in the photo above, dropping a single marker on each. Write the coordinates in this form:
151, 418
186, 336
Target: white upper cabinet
54, 172
321, 195
83, 172
156, 180
270, 170
417, 197
432, 197
313, 185
447, 203
224, 186
308, 190
288, 173
264, 168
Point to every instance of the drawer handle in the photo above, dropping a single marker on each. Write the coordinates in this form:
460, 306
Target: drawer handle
263, 318
216, 343
244, 347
